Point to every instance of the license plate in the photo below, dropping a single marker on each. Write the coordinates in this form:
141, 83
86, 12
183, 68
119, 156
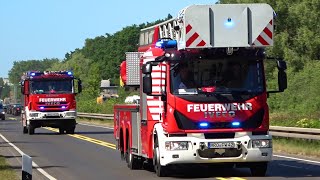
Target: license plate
221, 145
53, 114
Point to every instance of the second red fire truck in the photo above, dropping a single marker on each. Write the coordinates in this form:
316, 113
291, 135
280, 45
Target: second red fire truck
49, 100
203, 97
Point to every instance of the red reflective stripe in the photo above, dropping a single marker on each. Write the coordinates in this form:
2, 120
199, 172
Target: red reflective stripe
270, 22
262, 41
268, 32
192, 39
188, 28
202, 43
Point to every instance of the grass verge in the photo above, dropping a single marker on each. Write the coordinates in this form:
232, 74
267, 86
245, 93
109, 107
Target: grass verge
294, 120
6, 172
308, 148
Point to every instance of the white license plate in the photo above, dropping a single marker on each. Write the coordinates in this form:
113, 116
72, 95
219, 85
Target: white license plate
53, 114
221, 145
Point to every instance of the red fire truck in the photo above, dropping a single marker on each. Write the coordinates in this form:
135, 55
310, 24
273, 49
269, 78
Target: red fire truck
49, 100
203, 97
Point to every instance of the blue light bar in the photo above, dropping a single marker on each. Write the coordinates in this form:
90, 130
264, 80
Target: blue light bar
41, 107
69, 73
204, 124
63, 107
33, 74
165, 43
235, 124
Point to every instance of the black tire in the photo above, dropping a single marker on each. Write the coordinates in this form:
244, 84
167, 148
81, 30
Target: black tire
61, 131
30, 129
70, 130
161, 171
122, 154
25, 130
134, 162
259, 169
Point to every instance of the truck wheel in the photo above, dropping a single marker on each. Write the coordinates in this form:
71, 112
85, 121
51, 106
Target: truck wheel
30, 129
134, 162
61, 130
161, 171
259, 169
25, 130
70, 130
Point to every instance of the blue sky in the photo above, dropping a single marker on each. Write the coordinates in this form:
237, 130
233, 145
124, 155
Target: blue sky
38, 29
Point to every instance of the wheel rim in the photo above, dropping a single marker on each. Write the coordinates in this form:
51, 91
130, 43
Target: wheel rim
130, 158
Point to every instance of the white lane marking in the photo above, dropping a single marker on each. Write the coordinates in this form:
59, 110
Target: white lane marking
293, 158
84, 124
285, 165
33, 163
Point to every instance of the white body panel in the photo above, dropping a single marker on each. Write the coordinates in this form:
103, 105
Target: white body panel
187, 156
221, 25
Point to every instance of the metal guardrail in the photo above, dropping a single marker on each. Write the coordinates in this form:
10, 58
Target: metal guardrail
278, 131
95, 115
294, 132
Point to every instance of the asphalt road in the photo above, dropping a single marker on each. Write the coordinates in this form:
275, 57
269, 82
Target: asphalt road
91, 154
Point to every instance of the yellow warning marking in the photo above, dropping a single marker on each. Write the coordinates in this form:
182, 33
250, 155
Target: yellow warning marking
230, 178
85, 138
12, 118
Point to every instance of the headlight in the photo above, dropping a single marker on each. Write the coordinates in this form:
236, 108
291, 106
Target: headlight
33, 114
71, 114
2, 112
176, 145
262, 143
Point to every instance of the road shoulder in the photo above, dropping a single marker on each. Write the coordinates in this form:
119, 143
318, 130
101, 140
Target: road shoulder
14, 159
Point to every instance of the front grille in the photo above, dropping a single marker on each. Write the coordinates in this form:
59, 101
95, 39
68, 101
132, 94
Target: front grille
52, 117
219, 135
219, 153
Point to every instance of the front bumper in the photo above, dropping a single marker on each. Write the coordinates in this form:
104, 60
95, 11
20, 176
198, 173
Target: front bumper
60, 123
37, 115
197, 153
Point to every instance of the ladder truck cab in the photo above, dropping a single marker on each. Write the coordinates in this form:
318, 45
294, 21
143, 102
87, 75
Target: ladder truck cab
203, 97
49, 100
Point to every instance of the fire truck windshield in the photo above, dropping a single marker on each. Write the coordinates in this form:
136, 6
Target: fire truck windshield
217, 76
51, 87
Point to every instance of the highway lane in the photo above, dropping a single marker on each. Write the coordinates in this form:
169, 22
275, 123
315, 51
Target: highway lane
74, 157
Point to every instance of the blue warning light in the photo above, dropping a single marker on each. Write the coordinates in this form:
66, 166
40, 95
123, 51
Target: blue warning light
229, 23
204, 124
235, 124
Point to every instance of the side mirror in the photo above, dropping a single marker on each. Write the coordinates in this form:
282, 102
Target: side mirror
282, 65
282, 77
22, 89
282, 80
79, 86
147, 84
146, 68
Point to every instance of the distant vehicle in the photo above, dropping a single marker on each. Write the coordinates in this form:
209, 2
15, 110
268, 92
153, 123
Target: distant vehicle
9, 108
5, 106
16, 109
2, 112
